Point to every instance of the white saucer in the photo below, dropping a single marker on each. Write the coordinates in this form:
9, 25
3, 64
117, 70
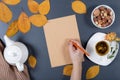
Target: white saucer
94, 57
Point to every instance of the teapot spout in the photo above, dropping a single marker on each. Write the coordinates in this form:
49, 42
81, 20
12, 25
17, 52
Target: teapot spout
8, 42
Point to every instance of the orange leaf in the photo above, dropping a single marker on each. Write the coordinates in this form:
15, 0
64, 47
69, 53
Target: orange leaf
32, 61
44, 7
33, 6
92, 72
5, 13
11, 2
67, 70
12, 29
78, 7
38, 20
24, 23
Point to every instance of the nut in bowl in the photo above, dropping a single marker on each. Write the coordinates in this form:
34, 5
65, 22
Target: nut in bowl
103, 16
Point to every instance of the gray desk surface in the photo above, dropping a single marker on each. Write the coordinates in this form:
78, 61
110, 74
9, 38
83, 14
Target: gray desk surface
35, 39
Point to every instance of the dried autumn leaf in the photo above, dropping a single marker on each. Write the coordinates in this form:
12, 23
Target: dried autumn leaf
24, 23
79, 7
67, 70
111, 36
11, 2
32, 61
33, 6
44, 7
12, 29
92, 72
5, 13
38, 20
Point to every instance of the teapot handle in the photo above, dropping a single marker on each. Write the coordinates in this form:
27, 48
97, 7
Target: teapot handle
20, 67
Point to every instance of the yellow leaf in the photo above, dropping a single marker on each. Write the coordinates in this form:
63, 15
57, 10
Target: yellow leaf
12, 29
67, 70
38, 20
24, 23
32, 61
5, 13
11, 2
92, 72
33, 6
44, 7
79, 7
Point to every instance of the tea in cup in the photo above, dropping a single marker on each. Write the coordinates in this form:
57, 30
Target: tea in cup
102, 48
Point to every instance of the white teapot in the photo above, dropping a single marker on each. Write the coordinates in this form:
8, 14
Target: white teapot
15, 53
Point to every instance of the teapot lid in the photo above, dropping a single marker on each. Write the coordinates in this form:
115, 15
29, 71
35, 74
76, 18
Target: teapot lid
12, 54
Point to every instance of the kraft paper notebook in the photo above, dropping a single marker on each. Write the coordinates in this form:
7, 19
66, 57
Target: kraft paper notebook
57, 33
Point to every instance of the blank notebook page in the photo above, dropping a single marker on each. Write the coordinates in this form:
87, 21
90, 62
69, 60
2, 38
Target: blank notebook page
57, 33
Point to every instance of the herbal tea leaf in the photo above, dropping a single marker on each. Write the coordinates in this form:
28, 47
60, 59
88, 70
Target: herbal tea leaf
111, 56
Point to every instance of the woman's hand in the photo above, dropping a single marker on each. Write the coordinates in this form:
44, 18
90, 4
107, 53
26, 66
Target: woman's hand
77, 58
75, 54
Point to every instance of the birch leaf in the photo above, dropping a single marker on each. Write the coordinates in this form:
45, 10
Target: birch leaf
33, 6
79, 7
32, 61
92, 72
12, 29
5, 13
24, 23
38, 20
44, 7
11, 2
67, 70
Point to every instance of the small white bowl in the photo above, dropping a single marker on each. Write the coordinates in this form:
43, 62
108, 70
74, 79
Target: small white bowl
113, 16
